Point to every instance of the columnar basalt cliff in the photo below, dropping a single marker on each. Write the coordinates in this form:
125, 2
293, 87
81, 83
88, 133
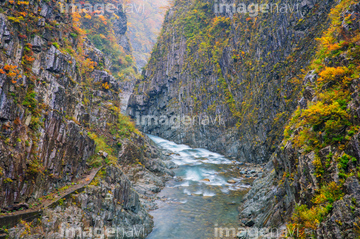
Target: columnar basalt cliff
234, 65
60, 117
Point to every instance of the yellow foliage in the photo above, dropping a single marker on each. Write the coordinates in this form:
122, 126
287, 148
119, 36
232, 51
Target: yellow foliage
16, 19
332, 73
22, 3
106, 86
319, 111
329, 193
318, 167
88, 66
116, 16
304, 218
76, 17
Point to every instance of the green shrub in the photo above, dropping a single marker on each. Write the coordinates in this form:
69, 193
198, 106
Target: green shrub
55, 44
30, 100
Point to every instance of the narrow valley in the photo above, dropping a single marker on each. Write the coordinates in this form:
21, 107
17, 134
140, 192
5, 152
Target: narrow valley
183, 119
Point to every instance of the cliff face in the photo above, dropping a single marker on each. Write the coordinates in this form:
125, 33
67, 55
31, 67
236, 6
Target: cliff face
39, 88
60, 112
235, 72
314, 186
285, 96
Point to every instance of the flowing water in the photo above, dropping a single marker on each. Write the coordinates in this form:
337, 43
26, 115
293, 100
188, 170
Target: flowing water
199, 200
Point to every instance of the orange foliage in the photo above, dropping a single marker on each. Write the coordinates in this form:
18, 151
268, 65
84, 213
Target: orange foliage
106, 86
103, 19
29, 58
76, 17
12, 71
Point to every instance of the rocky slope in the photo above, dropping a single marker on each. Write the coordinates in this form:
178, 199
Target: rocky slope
60, 117
236, 66
112, 204
314, 184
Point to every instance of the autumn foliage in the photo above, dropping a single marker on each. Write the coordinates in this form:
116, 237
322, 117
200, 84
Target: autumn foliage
327, 119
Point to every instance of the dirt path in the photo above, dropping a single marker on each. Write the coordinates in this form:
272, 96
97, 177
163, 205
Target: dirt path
11, 219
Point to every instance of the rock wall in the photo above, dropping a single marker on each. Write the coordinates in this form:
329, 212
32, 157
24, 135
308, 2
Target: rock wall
236, 66
313, 180
111, 201
59, 110
37, 139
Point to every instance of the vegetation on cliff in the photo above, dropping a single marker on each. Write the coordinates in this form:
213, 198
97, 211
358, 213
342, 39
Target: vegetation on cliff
61, 75
234, 65
329, 119
56, 88
103, 30
252, 70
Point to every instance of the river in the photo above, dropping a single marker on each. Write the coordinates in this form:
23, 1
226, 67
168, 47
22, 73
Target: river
199, 199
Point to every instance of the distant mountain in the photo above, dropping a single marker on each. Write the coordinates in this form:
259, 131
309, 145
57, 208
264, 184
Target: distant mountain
145, 19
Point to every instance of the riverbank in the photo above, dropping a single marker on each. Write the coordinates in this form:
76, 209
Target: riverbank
117, 200
177, 192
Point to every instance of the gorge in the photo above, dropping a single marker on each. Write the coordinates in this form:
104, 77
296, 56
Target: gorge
239, 121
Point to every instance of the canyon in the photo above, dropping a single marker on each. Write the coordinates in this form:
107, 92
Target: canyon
258, 116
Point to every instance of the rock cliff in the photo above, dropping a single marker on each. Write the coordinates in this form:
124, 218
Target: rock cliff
313, 180
286, 84
231, 73
60, 117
